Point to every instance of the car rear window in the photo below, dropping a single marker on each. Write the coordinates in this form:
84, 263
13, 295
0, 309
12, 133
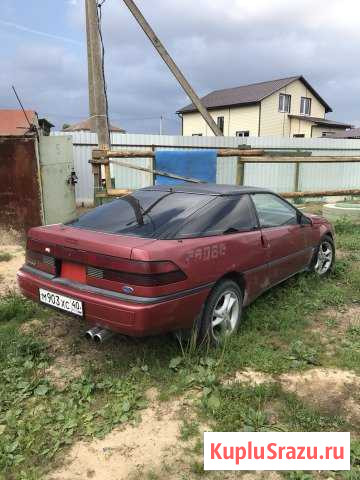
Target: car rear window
161, 212
227, 215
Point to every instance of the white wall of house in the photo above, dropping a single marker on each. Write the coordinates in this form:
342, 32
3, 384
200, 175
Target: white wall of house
235, 119
261, 120
318, 131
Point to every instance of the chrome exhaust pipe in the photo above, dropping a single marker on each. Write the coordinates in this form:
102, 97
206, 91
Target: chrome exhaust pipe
102, 335
91, 333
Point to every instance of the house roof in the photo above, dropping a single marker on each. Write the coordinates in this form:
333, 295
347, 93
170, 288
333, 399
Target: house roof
352, 133
322, 121
86, 125
250, 94
14, 123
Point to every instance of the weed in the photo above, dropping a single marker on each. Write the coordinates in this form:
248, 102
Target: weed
197, 468
16, 308
331, 322
5, 257
189, 429
302, 355
298, 476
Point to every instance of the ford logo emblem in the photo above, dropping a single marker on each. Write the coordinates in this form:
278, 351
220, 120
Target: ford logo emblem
127, 289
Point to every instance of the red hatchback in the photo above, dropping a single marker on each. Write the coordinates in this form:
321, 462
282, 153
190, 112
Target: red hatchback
164, 257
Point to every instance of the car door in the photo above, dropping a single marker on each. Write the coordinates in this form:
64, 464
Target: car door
282, 236
225, 238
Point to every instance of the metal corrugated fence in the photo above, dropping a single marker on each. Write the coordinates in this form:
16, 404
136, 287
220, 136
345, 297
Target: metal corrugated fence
278, 177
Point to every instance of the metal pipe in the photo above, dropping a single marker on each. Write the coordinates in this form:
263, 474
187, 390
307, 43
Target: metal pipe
91, 332
103, 335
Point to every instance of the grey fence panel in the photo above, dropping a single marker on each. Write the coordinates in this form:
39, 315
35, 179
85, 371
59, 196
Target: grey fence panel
279, 177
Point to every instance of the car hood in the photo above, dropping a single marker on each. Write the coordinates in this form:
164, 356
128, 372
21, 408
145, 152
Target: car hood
87, 240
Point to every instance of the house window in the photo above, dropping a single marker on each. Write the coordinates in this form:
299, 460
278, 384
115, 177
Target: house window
305, 106
197, 134
328, 134
299, 135
243, 133
220, 123
284, 102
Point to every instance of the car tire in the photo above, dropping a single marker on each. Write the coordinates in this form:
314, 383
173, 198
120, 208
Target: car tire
222, 313
324, 257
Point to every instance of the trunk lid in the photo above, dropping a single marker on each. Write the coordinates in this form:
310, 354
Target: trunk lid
81, 240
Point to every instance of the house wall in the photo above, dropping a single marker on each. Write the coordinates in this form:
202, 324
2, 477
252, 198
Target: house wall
272, 122
299, 127
278, 123
235, 119
318, 131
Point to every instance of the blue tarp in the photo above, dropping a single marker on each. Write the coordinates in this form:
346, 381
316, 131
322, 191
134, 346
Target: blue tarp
199, 164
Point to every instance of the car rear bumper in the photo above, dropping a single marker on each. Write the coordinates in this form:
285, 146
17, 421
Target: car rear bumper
136, 316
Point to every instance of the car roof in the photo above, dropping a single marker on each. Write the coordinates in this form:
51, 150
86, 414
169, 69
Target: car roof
207, 189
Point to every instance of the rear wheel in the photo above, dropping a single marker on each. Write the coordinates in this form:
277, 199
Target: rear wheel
222, 312
324, 257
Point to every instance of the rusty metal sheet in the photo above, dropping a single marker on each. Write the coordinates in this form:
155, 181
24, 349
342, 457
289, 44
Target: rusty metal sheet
20, 199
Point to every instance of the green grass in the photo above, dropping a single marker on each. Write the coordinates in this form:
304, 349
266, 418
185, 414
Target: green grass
36, 418
39, 421
5, 257
266, 407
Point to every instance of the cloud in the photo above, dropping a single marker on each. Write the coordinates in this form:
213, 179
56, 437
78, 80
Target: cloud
216, 44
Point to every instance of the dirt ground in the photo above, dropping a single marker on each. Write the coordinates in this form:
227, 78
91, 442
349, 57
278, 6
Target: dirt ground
9, 268
128, 452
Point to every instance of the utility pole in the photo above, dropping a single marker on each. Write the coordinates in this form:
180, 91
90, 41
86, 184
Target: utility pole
172, 65
97, 95
161, 124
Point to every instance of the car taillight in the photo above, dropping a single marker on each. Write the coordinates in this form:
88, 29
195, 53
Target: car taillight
150, 274
41, 262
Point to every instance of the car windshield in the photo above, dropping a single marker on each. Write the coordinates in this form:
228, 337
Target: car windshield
144, 213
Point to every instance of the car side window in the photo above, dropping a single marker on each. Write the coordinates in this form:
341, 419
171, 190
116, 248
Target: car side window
226, 215
273, 211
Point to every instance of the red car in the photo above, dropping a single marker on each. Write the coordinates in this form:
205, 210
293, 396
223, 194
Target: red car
166, 257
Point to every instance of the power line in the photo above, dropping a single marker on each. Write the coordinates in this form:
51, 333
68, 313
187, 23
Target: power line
111, 115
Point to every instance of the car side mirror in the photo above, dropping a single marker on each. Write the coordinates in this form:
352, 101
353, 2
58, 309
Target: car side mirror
304, 220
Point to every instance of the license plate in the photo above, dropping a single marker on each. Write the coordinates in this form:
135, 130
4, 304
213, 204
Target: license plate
67, 304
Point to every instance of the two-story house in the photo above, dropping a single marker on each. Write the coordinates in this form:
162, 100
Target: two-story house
288, 107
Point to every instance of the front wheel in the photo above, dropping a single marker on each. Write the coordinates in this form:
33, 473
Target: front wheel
222, 312
325, 256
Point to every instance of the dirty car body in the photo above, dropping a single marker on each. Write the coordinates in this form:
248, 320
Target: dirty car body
147, 263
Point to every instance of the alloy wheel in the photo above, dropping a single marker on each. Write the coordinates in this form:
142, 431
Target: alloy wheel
324, 258
225, 314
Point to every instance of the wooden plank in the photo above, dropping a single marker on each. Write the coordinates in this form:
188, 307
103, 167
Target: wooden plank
115, 192
281, 159
228, 152
324, 193
249, 159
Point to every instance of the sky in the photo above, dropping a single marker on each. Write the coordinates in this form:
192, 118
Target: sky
216, 44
